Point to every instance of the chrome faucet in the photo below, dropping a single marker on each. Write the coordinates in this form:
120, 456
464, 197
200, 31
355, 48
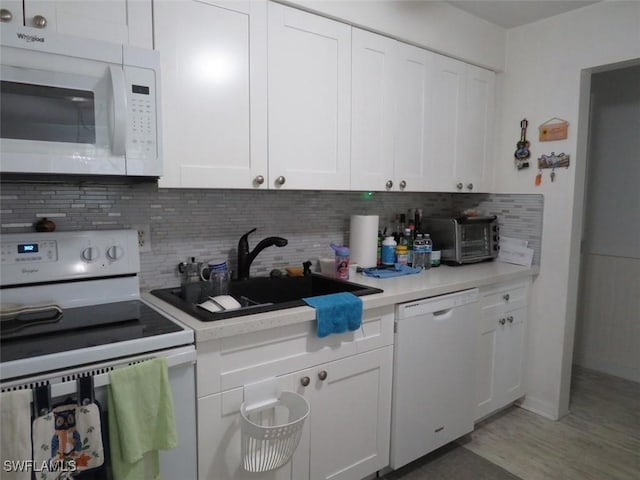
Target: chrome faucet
245, 258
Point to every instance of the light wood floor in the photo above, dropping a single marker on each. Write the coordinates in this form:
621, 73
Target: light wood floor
598, 440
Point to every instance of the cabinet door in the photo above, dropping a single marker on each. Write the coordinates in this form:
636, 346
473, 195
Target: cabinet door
448, 112
500, 356
351, 416
510, 356
487, 339
212, 66
472, 167
413, 151
219, 452
12, 12
119, 21
373, 110
309, 65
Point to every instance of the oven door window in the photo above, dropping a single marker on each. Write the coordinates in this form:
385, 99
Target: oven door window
52, 114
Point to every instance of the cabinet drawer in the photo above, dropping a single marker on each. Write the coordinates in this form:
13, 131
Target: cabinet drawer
498, 298
235, 361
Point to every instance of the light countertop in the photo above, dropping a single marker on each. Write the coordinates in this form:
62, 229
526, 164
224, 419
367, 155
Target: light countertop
429, 283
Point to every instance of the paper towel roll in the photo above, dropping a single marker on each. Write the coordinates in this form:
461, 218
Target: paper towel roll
363, 240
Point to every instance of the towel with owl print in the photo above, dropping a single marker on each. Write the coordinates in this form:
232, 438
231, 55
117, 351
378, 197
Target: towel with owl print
67, 441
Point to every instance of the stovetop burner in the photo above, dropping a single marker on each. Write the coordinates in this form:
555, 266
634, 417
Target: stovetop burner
83, 327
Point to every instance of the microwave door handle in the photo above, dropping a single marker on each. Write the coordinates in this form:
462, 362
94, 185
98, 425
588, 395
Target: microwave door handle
119, 136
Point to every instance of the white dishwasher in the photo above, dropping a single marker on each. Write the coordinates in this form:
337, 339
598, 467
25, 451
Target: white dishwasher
432, 374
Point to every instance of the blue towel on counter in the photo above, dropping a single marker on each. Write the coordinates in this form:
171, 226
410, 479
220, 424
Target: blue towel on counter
397, 271
337, 312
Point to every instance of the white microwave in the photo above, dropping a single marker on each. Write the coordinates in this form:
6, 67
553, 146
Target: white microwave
70, 105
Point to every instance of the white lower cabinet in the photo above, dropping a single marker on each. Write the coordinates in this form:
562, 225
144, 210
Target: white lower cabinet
345, 437
500, 348
345, 378
350, 416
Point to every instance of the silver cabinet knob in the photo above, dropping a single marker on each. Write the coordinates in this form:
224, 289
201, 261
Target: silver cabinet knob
502, 321
403, 184
506, 297
510, 319
280, 180
469, 186
389, 184
5, 15
259, 180
305, 381
322, 375
39, 21
459, 186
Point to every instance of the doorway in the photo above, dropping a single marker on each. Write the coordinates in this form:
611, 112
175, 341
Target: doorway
607, 330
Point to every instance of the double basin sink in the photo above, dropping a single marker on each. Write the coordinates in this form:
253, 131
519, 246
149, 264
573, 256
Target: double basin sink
266, 294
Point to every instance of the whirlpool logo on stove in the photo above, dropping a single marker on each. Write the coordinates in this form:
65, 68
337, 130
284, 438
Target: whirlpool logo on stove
30, 270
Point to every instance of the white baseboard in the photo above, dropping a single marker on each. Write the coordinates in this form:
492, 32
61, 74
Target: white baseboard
539, 407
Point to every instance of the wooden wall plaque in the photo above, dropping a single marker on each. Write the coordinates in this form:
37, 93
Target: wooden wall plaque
554, 129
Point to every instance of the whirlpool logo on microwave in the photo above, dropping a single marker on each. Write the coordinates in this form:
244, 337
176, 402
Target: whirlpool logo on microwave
30, 38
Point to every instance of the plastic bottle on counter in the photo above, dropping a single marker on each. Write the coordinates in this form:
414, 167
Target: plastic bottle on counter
402, 254
428, 247
418, 254
408, 241
342, 261
389, 251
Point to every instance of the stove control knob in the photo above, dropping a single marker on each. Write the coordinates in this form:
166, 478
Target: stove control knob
90, 254
115, 252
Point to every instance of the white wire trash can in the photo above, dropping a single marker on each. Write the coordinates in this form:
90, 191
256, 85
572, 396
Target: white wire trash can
270, 433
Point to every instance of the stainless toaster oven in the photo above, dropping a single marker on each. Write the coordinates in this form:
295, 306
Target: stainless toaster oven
465, 239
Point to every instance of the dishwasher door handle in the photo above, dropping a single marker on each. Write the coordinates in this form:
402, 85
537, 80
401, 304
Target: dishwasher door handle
443, 314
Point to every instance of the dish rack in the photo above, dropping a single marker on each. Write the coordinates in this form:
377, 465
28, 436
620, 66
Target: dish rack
271, 431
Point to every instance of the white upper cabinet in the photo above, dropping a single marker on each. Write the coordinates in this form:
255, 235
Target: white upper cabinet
120, 21
309, 97
413, 161
463, 109
474, 168
11, 12
448, 109
213, 93
373, 110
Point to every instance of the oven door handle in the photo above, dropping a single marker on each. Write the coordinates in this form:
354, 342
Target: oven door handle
18, 314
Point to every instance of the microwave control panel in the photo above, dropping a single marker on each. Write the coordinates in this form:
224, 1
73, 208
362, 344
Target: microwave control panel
142, 123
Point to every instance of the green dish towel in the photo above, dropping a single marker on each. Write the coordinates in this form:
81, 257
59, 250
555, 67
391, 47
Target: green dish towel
141, 419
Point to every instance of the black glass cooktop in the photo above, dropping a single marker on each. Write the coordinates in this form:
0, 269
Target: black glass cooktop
32, 335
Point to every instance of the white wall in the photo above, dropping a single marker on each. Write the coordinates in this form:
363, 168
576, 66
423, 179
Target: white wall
608, 323
435, 25
544, 78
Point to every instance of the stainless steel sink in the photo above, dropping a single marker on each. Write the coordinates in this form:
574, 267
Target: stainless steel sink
266, 294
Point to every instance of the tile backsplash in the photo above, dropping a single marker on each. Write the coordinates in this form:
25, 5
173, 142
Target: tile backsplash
207, 224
